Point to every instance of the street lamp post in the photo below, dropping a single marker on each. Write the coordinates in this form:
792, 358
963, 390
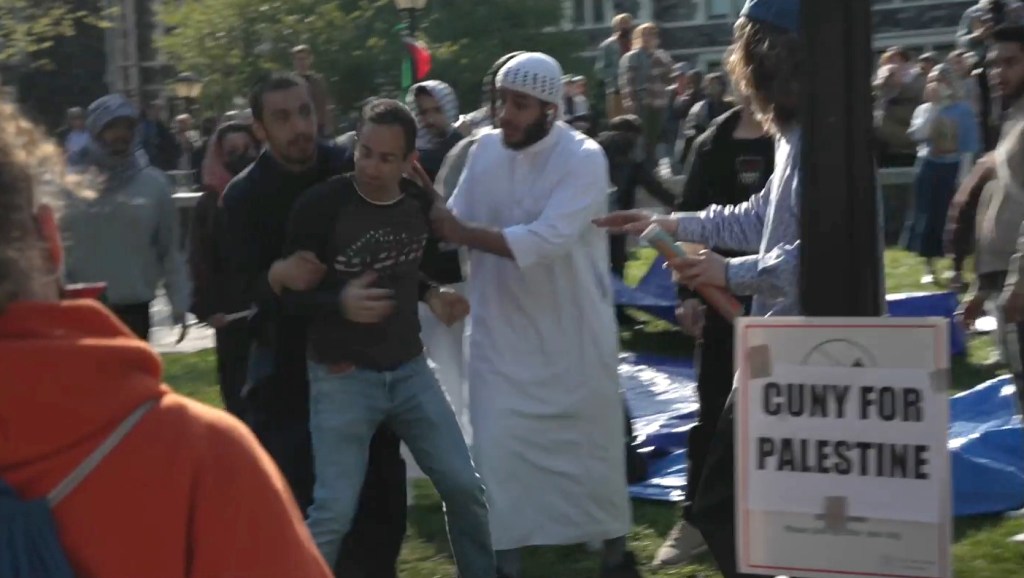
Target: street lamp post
410, 8
187, 88
841, 241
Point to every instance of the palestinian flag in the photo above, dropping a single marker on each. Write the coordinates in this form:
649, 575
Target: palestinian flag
417, 66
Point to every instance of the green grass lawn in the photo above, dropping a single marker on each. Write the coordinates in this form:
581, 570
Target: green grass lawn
981, 550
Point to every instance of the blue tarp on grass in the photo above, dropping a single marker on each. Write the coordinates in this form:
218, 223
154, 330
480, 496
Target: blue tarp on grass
655, 295
986, 438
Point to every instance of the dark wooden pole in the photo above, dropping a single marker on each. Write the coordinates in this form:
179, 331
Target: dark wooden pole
841, 245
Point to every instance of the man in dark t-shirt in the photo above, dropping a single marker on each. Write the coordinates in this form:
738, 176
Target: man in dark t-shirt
366, 361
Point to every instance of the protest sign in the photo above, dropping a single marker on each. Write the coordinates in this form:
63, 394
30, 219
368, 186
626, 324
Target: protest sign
841, 460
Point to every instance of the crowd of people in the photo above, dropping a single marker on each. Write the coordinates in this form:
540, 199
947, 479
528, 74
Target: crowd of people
361, 285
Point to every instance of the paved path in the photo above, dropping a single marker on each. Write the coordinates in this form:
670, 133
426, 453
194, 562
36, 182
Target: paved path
162, 336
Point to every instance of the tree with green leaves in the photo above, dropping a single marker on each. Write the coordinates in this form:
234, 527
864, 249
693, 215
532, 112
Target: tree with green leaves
31, 27
231, 43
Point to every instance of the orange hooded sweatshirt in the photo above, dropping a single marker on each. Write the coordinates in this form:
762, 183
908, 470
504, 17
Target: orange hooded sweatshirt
187, 493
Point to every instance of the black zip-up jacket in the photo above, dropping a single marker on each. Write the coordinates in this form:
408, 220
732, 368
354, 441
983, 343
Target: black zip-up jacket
256, 207
725, 171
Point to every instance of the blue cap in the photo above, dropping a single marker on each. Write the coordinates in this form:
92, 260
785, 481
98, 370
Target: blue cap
782, 13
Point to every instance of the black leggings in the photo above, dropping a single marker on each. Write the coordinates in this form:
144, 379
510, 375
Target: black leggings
232, 364
713, 358
713, 511
135, 316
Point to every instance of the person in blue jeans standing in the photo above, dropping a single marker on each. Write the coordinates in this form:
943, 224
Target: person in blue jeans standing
946, 131
370, 229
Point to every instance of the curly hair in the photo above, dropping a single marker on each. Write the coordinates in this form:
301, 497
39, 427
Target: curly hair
32, 173
766, 64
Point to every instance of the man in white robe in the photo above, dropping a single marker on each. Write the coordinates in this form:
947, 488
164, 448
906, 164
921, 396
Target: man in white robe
545, 406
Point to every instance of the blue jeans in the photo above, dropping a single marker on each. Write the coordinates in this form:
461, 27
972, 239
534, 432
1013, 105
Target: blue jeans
345, 410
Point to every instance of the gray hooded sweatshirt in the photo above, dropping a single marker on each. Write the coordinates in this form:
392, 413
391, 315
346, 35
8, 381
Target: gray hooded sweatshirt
128, 235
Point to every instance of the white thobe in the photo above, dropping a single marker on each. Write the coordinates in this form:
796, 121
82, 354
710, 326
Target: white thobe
546, 412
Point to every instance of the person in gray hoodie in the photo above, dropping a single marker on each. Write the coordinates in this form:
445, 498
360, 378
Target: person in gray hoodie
127, 235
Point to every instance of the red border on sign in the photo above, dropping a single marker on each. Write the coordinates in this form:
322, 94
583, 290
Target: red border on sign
940, 346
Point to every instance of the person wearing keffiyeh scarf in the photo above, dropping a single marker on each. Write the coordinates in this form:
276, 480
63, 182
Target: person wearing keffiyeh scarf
437, 110
112, 124
128, 235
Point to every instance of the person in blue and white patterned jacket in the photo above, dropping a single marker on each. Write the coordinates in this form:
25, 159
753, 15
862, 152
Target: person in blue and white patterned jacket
766, 64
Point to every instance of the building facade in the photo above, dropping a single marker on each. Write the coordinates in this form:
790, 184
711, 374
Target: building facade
699, 31
134, 64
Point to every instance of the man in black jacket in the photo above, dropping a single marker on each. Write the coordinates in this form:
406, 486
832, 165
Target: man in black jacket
729, 163
256, 207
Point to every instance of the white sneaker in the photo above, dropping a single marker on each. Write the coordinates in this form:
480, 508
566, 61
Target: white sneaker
682, 544
1018, 539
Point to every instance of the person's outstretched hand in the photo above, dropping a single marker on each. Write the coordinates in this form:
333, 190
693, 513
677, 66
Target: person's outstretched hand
634, 222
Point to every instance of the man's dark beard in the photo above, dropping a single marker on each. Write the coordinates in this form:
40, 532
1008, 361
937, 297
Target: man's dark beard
534, 133
296, 162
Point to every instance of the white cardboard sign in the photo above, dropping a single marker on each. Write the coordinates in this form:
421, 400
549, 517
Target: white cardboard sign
841, 460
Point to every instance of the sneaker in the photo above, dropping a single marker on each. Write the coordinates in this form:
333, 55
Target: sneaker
928, 279
627, 569
1018, 539
682, 544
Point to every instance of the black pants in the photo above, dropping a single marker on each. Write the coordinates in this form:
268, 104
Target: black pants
135, 316
713, 511
710, 486
714, 361
625, 201
232, 364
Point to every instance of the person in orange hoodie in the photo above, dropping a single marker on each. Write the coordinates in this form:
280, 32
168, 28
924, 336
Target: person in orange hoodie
188, 492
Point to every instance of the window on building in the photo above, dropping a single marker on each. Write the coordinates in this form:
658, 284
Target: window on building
722, 9
587, 13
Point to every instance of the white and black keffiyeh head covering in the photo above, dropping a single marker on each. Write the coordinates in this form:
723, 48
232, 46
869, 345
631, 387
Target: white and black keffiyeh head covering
444, 94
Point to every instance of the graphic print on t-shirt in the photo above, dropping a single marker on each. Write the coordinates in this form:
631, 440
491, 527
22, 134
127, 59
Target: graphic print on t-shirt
381, 250
749, 170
